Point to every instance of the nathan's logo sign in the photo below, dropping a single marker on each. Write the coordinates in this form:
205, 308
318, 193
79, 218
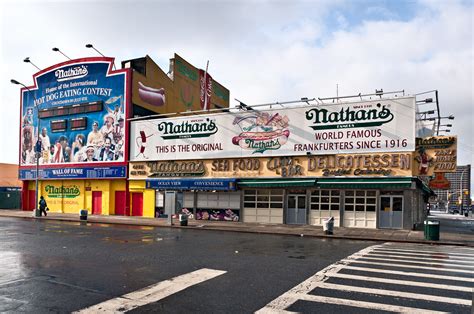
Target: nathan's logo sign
436, 142
176, 169
62, 191
324, 119
71, 73
261, 131
187, 129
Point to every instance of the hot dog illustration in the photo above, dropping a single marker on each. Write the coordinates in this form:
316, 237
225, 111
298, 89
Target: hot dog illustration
261, 136
150, 95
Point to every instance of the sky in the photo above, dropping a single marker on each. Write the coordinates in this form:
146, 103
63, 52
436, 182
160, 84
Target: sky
262, 51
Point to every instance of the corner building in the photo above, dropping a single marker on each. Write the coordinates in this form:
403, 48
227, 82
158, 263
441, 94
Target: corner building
353, 161
74, 117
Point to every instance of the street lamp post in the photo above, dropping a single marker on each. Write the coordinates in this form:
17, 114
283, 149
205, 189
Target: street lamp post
36, 147
92, 46
461, 209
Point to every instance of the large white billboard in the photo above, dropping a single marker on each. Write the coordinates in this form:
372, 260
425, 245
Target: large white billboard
383, 125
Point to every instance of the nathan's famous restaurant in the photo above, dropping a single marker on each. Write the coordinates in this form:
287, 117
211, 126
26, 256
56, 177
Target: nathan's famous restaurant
114, 143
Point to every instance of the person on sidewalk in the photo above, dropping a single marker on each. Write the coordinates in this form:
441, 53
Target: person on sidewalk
42, 206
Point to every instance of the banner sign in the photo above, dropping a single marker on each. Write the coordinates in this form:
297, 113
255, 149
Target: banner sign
79, 108
383, 125
363, 165
440, 182
74, 173
189, 184
435, 154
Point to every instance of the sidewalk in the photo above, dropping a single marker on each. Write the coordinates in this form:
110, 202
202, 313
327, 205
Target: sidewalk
294, 230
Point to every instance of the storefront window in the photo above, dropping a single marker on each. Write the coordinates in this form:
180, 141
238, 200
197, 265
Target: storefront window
360, 208
324, 204
263, 206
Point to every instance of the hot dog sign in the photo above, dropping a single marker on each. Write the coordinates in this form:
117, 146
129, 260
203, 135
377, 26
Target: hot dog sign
383, 125
261, 131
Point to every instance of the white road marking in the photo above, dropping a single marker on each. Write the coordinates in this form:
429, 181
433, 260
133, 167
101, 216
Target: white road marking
435, 259
398, 294
292, 295
440, 248
404, 282
373, 254
404, 273
366, 305
428, 252
153, 293
413, 266
409, 255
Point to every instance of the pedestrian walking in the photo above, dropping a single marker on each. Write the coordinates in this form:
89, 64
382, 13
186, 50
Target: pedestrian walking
42, 206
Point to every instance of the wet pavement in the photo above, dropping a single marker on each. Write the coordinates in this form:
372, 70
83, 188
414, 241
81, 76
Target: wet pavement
63, 266
459, 232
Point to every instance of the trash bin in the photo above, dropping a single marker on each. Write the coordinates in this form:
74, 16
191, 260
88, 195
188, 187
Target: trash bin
328, 225
83, 214
183, 220
432, 230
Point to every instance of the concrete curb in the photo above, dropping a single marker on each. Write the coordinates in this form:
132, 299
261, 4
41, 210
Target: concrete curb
297, 233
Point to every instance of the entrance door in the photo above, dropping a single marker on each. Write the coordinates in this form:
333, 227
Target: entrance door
31, 200
391, 212
137, 204
120, 202
296, 209
96, 202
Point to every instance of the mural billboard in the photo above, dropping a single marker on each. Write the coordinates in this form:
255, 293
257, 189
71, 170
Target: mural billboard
186, 89
79, 108
384, 125
435, 154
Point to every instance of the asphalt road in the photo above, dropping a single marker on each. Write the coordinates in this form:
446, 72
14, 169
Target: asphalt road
454, 223
52, 266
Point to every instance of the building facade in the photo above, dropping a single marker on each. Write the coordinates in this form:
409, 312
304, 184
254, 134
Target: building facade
74, 139
351, 161
457, 191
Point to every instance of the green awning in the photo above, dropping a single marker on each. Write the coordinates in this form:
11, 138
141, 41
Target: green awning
365, 183
276, 183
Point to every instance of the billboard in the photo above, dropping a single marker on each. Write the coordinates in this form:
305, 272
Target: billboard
186, 89
384, 125
79, 108
435, 154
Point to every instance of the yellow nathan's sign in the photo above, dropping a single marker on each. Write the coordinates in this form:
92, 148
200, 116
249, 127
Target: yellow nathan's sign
358, 165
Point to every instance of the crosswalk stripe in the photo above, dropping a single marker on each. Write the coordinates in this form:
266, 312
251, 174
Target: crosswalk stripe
413, 266
395, 272
365, 305
413, 254
436, 259
153, 293
427, 252
403, 282
440, 248
369, 257
286, 299
393, 293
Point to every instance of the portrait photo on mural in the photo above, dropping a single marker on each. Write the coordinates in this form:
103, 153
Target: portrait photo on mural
76, 115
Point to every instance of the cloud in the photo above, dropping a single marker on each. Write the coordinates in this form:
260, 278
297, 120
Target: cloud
263, 51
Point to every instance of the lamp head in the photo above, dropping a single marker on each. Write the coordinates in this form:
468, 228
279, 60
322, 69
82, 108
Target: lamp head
27, 60
55, 49
14, 82
89, 46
